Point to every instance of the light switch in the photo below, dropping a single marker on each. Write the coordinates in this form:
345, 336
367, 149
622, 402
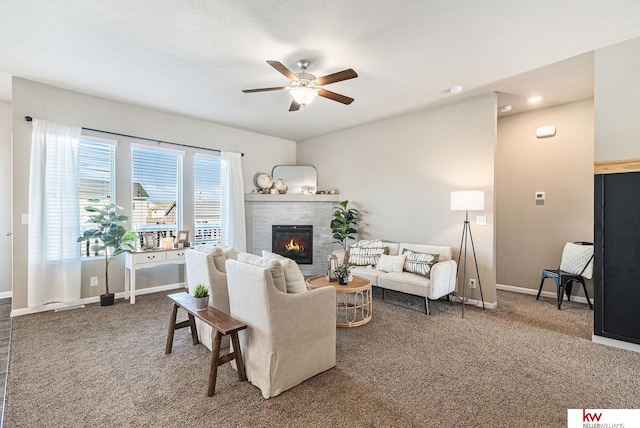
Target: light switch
540, 196
25, 218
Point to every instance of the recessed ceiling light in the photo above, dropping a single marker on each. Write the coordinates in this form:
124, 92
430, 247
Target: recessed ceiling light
505, 108
455, 89
534, 99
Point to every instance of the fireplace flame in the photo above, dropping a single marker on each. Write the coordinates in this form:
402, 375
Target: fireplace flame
293, 246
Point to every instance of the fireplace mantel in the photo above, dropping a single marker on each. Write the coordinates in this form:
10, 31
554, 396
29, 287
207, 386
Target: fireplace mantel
259, 197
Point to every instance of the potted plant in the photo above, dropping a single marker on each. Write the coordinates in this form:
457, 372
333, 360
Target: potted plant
112, 237
343, 223
342, 272
201, 294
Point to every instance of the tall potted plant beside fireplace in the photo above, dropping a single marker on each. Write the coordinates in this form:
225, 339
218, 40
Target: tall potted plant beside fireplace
343, 223
112, 237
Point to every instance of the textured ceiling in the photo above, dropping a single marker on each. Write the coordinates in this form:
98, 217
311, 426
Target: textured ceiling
194, 57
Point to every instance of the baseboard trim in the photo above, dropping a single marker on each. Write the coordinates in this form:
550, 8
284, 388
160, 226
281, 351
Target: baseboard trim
94, 299
550, 294
474, 302
6, 295
616, 343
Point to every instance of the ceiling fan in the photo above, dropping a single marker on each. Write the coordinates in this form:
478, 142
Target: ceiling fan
305, 86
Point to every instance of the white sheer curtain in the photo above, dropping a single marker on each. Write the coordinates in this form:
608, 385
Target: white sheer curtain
233, 225
54, 217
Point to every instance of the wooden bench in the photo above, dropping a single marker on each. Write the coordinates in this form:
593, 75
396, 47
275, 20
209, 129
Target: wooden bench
221, 322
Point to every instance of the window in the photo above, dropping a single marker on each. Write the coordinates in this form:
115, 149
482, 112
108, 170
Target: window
207, 199
96, 170
157, 191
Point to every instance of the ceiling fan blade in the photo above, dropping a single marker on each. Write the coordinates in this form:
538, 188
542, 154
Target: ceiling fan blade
335, 97
337, 77
282, 69
294, 106
248, 91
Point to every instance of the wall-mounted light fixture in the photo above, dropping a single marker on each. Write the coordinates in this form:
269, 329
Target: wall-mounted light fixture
546, 131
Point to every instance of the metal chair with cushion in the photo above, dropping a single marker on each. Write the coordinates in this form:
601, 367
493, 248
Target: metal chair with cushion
575, 266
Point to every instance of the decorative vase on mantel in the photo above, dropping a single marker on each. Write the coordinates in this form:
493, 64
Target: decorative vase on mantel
281, 186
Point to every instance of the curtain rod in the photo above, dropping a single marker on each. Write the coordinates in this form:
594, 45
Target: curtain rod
29, 119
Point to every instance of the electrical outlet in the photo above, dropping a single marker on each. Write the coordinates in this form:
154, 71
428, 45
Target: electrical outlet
472, 283
94, 281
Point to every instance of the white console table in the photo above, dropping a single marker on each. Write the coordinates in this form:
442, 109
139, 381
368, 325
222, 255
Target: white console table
147, 259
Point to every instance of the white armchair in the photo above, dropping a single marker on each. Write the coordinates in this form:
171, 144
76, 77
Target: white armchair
290, 337
206, 265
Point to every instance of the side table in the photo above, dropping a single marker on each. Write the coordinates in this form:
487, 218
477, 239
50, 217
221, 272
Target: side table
353, 301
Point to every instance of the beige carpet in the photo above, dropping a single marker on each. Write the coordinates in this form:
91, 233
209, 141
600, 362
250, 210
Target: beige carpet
522, 364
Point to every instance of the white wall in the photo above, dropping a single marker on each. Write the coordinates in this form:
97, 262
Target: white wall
616, 94
399, 172
51, 103
531, 235
5, 196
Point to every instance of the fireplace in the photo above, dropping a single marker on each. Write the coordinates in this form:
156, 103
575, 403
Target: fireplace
294, 242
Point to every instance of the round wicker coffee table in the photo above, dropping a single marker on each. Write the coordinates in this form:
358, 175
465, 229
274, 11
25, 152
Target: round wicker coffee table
353, 301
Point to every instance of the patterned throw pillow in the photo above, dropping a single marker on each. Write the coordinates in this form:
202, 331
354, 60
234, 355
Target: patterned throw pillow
391, 263
357, 256
420, 263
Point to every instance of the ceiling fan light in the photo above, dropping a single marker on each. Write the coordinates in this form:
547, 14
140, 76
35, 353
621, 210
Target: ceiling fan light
303, 95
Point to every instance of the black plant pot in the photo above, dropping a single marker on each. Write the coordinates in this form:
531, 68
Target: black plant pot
107, 299
343, 281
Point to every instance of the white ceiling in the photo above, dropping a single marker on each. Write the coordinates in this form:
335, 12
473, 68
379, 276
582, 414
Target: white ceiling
194, 57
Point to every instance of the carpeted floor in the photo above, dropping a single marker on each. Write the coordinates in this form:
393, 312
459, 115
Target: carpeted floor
523, 364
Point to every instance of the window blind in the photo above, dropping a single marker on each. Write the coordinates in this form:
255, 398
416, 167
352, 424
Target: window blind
207, 200
96, 172
157, 189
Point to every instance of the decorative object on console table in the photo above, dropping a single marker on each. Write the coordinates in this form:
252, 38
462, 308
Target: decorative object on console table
201, 295
467, 200
331, 268
183, 239
112, 237
342, 272
149, 240
344, 223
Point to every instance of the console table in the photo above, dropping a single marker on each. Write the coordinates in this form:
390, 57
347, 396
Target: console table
147, 259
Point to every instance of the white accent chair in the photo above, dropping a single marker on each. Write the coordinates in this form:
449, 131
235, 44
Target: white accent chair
206, 265
290, 337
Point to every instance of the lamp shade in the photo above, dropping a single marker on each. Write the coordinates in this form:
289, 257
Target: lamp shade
467, 200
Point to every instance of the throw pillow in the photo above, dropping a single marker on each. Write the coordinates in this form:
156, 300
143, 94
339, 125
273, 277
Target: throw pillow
292, 274
229, 252
277, 272
575, 257
364, 256
420, 263
391, 263
371, 243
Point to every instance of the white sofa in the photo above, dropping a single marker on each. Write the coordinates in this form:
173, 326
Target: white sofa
441, 281
290, 337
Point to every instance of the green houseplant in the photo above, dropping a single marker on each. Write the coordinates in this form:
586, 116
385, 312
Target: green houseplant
342, 272
112, 237
343, 223
201, 294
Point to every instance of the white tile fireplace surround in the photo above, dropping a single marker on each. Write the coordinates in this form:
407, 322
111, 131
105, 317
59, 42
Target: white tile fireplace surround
263, 211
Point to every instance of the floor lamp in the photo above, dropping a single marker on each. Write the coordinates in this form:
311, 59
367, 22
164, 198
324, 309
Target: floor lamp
467, 200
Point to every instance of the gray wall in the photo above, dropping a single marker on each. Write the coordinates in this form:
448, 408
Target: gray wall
399, 172
531, 235
5, 197
617, 91
50, 103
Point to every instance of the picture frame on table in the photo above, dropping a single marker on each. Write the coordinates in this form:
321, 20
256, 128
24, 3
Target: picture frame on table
149, 240
183, 237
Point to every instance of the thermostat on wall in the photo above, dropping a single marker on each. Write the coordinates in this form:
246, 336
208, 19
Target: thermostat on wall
539, 196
